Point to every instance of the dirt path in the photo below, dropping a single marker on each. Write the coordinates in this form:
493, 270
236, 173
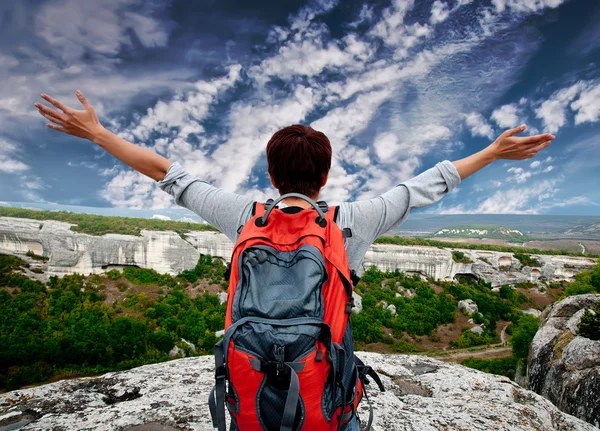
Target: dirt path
461, 355
503, 337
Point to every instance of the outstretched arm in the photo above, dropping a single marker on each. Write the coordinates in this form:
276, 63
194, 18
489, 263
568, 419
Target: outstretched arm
226, 211
369, 219
85, 124
507, 146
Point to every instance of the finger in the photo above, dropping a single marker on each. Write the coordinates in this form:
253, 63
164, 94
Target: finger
541, 146
516, 130
532, 152
47, 110
55, 127
52, 118
55, 102
83, 100
536, 139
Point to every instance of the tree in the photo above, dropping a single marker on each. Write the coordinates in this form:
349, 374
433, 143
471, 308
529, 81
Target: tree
523, 334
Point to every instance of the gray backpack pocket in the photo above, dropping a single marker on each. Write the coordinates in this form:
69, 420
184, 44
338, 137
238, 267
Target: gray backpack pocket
275, 284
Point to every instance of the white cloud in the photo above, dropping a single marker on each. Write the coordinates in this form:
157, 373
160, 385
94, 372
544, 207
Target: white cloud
588, 105
161, 217
130, 189
506, 116
519, 175
439, 12
535, 164
95, 28
553, 111
512, 201
478, 125
366, 14
186, 113
526, 5
8, 161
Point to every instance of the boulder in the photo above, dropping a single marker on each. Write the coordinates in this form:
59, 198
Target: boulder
477, 330
563, 366
357, 303
532, 312
468, 306
176, 352
222, 297
422, 394
392, 308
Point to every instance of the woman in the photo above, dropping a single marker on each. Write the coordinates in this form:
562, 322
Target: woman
299, 159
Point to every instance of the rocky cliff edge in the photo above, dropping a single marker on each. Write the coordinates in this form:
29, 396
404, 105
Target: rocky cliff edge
422, 394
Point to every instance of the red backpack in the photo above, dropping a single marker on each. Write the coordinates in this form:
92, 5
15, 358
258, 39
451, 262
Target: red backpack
287, 355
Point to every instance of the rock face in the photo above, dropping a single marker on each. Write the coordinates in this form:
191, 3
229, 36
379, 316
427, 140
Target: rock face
422, 394
563, 366
167, 252
70, 252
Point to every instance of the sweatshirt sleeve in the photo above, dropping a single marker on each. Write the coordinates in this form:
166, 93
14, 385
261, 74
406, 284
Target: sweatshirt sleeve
369, 219
224, 210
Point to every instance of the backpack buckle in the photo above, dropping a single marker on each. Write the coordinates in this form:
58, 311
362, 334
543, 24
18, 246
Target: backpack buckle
221, 372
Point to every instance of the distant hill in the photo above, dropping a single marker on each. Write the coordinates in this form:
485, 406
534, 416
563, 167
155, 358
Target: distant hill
482, 231
583, 231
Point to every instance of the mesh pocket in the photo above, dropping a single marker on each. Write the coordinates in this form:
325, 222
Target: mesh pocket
271, 404
280, 285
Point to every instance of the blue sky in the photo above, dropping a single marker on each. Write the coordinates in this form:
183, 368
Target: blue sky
396, 85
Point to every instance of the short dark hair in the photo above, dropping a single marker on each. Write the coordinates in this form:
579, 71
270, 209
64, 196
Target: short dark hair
299, 159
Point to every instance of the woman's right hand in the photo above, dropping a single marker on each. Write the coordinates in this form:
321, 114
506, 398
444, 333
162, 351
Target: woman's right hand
83, 124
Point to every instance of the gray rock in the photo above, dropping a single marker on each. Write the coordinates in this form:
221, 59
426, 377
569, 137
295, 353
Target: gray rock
563, 367
222, 297
574, 320
392, 308
176, 352
422, 394
468, 305
477, 330
357, 303
190, 345
532, 312
581, 354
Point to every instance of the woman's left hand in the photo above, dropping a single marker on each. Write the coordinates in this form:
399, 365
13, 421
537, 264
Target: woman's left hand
511, 147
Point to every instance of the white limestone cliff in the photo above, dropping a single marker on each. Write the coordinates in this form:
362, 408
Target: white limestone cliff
167, 252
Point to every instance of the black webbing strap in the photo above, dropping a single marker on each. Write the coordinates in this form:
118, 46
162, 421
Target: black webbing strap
291, 402
363, 372
340, 379
370, 421
216, 399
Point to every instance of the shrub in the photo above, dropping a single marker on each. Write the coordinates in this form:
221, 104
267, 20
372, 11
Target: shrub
459, 257
589, 325
527, 260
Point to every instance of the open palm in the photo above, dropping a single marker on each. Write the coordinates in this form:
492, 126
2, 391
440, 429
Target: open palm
81, 123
